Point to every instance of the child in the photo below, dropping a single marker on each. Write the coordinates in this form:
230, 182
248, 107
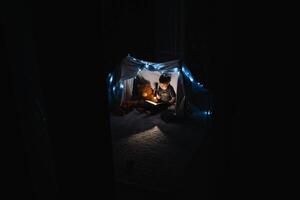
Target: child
165, 92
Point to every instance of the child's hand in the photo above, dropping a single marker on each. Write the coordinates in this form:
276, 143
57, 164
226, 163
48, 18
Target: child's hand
157, 96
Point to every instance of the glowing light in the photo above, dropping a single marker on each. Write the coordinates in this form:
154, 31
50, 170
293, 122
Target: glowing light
121, 85
207, 112
114, 88
200, 84
111, 78
187, 73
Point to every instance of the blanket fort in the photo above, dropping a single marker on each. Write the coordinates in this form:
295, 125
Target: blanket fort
192, 98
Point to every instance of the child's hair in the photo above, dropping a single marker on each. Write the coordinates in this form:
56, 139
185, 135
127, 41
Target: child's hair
164, 78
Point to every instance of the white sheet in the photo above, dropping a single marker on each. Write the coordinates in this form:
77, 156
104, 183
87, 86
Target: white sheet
153, 77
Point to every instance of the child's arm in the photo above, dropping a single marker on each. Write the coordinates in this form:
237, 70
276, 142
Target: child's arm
172, 100
173, 95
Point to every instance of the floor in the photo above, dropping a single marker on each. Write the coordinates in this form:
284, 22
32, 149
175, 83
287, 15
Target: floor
153, 154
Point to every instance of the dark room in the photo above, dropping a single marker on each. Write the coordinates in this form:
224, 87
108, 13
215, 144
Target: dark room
120, 99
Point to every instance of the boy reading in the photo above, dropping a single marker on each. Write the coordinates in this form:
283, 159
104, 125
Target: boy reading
165, 92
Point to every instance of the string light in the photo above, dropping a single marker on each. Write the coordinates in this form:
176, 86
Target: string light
111, 78
207, 112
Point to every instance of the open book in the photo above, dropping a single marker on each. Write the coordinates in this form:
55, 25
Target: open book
154, 103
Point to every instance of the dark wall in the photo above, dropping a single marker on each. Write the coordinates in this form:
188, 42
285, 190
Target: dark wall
15, 174
73, 78
208, 53
127, 27
150, 30
53, 55
169, 29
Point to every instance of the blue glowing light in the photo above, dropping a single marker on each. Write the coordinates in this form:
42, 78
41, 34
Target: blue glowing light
187, 73
207, 112
111, 78
200, 84
203, 114
114, 88
121, 85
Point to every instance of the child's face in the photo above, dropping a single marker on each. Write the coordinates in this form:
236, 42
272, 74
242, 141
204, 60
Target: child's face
164, 86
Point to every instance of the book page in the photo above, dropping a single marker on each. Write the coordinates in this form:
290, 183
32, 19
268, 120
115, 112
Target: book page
152, 102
